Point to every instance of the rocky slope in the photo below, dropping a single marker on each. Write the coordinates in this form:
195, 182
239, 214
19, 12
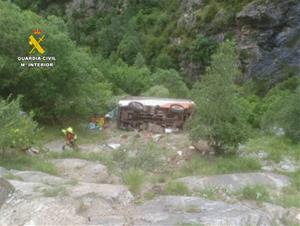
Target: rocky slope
84, 194
41, 199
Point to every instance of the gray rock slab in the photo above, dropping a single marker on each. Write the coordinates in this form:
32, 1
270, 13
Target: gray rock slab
39, 211
40, 177
82, 170
32, 189
236, 181
109, 192
176, 210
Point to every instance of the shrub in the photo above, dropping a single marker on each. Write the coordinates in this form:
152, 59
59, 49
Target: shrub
201, 49
17, 128
284, 112
134, 178
222, 115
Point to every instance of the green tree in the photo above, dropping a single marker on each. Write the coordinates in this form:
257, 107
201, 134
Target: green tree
125, 78
164, 61
222, 115
128, 48
139, 61
172, 81
17, 128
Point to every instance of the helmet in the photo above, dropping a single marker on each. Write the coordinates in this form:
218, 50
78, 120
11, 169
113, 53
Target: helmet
70, 130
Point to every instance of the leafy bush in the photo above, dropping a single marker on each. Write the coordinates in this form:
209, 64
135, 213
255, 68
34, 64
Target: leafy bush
222, 116
17, 128
26, 162
219, 165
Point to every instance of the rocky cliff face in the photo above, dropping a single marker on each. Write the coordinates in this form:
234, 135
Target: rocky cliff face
267, 33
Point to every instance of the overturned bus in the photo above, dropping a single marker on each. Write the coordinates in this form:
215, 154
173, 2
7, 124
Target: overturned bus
139, 112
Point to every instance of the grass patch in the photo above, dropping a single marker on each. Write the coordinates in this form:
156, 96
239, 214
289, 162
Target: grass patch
295, 177
149, 195
218, 165
134, 178
21, 161
290, 195
258, 193
176, 188
50, 133
212, 193
10, 176
288, 200
276, 146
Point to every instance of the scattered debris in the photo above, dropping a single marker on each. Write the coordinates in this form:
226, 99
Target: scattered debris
287, 166
33, 151
114, 146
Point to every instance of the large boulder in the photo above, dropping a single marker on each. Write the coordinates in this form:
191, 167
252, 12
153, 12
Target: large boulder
82, 170
235, 181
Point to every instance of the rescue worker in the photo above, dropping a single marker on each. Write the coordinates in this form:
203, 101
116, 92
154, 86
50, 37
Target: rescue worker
70, 137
